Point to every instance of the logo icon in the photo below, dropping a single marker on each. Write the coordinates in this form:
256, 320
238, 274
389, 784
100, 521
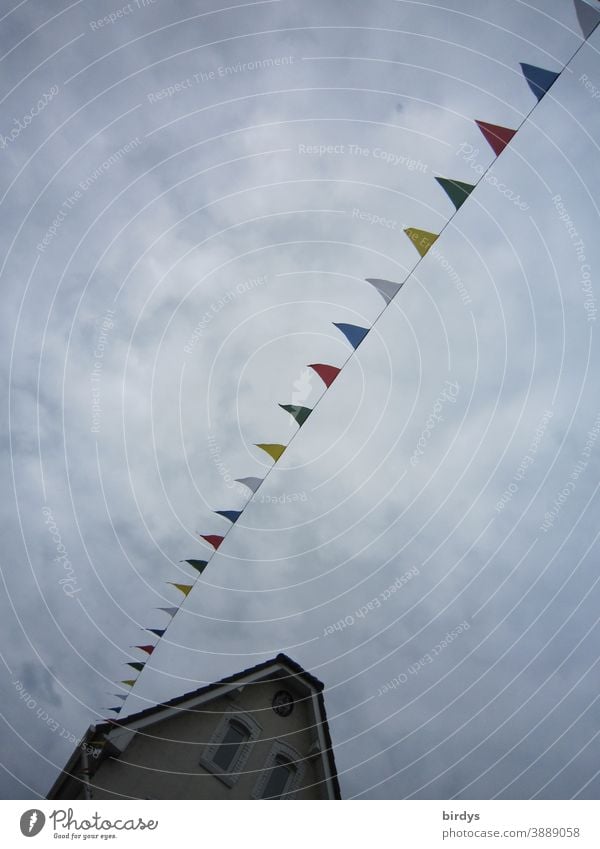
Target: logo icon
32, 822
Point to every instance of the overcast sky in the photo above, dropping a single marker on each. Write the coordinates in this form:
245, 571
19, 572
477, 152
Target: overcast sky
189, 200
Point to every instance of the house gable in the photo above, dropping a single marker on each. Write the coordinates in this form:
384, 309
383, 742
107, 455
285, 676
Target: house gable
166, 751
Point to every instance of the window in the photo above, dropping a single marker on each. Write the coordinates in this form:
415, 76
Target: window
280, 778
235, 736
282, 774
230, 746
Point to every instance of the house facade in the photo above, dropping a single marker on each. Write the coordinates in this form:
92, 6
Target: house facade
259, 734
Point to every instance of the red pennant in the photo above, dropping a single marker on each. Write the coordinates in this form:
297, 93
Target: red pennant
213, 539
496, 137
327, 373
147, 649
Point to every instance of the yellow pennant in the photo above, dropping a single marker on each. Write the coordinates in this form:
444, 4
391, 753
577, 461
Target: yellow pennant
421, 239
185, 588
273, 449
129, 681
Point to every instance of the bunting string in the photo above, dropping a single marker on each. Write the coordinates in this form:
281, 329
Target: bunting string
540, 81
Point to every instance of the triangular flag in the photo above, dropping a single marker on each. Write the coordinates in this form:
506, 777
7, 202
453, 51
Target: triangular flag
496, 137
184, 588
457, 192
200, 565
171, 611
299, 413
232, 515
273, 449
115, 710
539, 80
327, 373
421, 239
386, 288
135, 665
212, 539
353, 333
587, 16
251, 483
121, 696
158, 631
129, 681
147, 649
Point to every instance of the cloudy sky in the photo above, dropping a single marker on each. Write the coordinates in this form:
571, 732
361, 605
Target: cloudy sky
190, 197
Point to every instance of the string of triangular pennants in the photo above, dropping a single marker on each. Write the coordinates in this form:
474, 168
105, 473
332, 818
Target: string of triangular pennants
498, 137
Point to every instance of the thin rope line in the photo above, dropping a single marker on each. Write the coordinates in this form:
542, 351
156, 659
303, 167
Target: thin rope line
353, 352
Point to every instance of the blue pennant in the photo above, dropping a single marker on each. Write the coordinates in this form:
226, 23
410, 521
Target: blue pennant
353, 333
232, 515
539, 80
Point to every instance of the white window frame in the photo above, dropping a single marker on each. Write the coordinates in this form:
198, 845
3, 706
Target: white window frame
279, 748
232, 775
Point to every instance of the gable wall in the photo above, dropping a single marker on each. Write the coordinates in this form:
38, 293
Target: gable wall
162, 761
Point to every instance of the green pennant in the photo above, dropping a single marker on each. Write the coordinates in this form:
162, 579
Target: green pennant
200, 565
457, 192
299, 413
136, 665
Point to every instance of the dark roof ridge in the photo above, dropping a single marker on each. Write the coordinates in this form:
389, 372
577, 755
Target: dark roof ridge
297, 670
